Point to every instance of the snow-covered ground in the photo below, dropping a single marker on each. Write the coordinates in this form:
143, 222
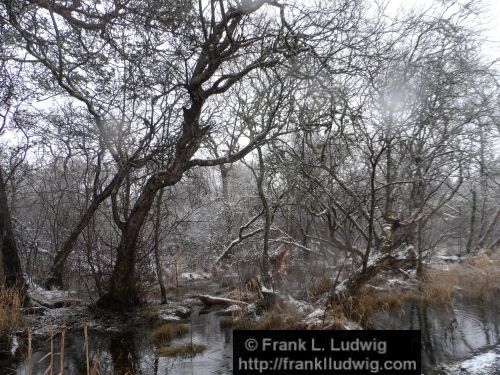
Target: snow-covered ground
487, 363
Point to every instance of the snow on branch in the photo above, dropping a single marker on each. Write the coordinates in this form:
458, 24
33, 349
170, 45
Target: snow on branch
241, 236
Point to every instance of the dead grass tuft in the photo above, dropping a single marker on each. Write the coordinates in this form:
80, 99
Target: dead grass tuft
321, 286
10, 313
237, 323
151, 315
362, 308
281, 317
168, 331
478, 277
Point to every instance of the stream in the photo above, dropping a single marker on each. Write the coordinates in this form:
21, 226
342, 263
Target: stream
450, 333
132, 351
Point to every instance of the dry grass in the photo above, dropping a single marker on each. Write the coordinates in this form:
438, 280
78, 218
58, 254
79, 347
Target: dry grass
362, 308
168, 331
151, 314
10, 313
321, 286
478, 277
281, 317
186, 350
237, 323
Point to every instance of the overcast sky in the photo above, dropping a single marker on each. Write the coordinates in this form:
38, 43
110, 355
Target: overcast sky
488, 20
493, 8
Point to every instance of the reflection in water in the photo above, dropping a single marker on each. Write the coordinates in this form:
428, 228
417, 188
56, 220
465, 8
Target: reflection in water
123, 353
449, 332
131, 352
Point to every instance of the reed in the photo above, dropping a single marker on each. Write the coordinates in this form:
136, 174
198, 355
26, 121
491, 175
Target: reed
10, 316
95, 366
61, 353
91, 367
30, 368
86, 346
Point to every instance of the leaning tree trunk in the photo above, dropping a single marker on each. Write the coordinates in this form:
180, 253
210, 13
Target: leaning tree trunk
55, 277
122, 293
11, 263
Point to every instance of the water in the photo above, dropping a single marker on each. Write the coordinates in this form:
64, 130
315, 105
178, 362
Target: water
132, 351
449, 333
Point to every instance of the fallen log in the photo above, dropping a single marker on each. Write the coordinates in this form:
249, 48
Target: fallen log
219, 301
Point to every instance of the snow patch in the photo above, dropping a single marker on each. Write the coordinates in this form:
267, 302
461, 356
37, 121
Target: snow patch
315, 318
14, 345
173, 313
482, 364
53, 298
233, 308
301, 306
451, 258
351, 325
167, 317
265, 290
195, 276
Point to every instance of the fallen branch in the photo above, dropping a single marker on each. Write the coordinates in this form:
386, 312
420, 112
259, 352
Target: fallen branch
219, 301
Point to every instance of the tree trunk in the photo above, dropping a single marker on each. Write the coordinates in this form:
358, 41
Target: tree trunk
224, 174
159, 268
483, 241
264, 261
122, 294
468, 247
11, 263
371, 218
